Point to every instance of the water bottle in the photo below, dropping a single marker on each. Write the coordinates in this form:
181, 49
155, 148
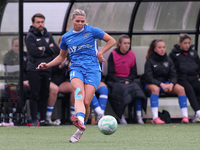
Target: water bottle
93, 122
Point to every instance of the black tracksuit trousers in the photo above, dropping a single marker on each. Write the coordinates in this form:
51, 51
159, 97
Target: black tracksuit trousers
192, 89
39, 93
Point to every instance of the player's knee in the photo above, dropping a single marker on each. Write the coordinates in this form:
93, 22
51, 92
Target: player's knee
180, 90
54, 90
87, 104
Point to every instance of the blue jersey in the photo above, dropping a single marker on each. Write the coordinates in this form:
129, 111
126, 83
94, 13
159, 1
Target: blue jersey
82, 46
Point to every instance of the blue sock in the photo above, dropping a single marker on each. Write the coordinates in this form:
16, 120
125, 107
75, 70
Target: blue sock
72, 110
138, 104
154, 100
103, 97
85, 122
182, 101
94, 102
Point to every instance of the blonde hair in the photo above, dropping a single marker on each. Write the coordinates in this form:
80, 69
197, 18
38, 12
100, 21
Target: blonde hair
78, 12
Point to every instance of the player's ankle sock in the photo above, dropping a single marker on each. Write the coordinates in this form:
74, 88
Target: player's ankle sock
49, 112
72, 110
183, 105
80, 131
80, 116
138, 104
154, 105
103, 97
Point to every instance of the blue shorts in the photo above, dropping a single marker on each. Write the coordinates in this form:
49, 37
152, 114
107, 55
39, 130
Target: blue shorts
161, 89
92, 78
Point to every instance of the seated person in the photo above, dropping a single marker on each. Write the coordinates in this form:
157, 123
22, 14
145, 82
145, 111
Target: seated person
160, 76
187, 64
12, 56
121, 74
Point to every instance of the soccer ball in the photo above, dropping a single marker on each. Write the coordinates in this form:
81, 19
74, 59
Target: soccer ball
107, 125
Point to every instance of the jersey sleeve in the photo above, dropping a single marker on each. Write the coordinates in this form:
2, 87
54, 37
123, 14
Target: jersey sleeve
63, 44
97, 33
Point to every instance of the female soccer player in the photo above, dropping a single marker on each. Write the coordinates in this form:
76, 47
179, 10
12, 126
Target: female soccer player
85, 73
187, 64
160, 76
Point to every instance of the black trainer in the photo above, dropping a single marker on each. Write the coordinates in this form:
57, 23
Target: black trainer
46, 123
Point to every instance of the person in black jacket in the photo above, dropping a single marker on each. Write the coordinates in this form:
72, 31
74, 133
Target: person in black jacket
160, 76
187, 64
41, 47
121, 74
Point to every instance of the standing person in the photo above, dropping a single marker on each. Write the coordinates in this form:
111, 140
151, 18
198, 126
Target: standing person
187, 64
85, 74
160, 76
121, 74
40, 48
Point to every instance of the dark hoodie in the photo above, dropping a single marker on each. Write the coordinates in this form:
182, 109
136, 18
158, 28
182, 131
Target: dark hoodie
35, 39
160, 69
187, 63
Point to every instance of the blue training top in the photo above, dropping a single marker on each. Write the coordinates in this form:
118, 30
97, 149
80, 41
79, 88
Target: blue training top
83, 48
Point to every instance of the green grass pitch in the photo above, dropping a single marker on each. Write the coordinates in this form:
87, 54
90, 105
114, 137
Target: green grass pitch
127, 137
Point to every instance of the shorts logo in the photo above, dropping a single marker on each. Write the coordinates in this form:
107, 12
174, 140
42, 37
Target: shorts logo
72, 74
90, 80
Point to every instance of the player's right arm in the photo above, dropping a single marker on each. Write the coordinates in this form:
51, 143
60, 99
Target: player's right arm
56, 61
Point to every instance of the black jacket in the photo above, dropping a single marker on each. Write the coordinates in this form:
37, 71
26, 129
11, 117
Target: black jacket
159, 69
187, 66
35, 39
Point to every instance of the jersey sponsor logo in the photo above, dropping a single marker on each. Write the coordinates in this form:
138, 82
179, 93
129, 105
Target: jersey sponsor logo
73, 49
177, 54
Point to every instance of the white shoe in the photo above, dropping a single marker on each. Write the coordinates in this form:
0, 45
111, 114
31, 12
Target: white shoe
76, 137
196, 119
140, 121
123, 120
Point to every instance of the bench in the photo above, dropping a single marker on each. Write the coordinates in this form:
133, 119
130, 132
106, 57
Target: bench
166, 102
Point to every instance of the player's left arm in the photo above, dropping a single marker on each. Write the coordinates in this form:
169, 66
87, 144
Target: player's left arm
110, 42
